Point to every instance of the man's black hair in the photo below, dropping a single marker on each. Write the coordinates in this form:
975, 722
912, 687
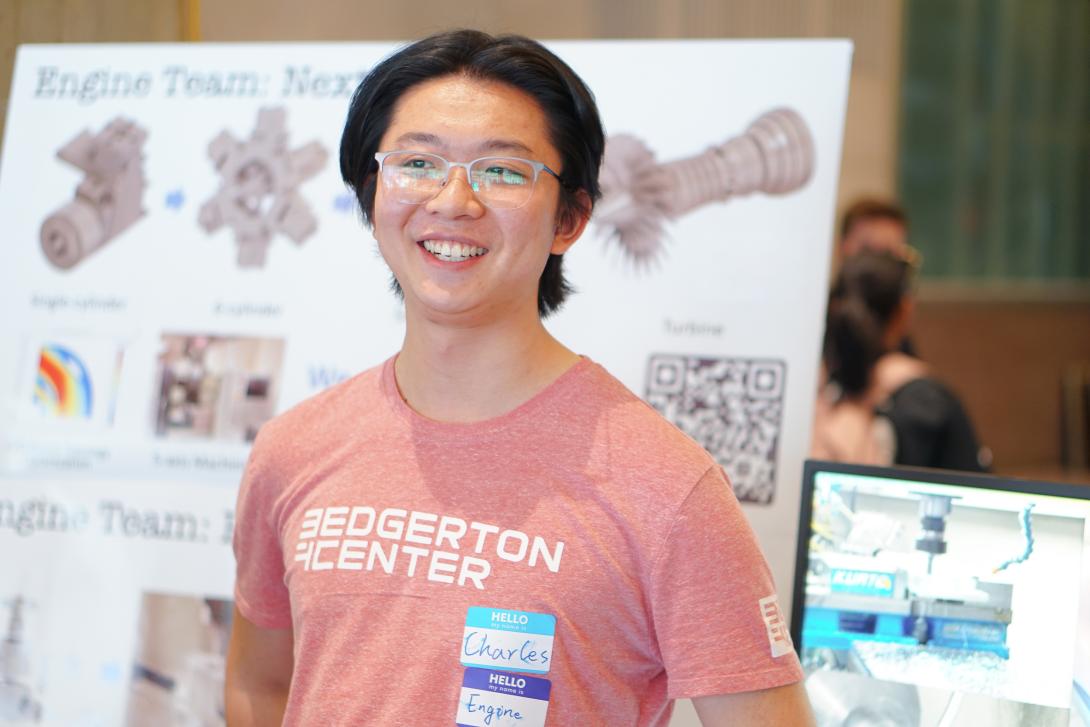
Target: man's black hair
570, 112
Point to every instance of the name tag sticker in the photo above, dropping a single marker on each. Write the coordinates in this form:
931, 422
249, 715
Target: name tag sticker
496, 638
496, 699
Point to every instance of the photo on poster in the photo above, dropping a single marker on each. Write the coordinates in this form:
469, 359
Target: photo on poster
70, 382
215, 387
109, 198
178, 668
732, 407
20, 683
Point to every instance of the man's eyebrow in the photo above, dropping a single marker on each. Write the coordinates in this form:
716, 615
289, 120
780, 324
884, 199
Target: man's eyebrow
489, 145
506, 145
420, 138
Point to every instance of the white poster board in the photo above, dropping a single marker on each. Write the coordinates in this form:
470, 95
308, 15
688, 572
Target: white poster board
182, 261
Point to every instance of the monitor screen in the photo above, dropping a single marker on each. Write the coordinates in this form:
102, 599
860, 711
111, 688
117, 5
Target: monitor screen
928, 598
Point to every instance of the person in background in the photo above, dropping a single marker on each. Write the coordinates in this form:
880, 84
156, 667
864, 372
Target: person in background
877, 226
881, 405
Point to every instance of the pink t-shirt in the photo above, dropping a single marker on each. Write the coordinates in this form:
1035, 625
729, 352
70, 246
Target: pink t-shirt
370, 530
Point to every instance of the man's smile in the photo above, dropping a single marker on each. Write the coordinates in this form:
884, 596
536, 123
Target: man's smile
452, 251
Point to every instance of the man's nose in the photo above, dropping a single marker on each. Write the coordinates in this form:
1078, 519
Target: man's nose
456, 198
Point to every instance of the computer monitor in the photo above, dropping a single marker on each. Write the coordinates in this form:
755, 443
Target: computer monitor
927, 598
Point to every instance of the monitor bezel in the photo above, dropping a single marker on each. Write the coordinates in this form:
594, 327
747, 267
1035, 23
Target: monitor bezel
917, 474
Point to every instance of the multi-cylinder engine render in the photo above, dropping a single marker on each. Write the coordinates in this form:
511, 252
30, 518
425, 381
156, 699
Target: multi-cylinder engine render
107, 201
258, 195
775, 155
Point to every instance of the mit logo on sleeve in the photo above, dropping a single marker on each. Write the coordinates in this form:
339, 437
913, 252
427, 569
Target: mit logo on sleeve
778, 638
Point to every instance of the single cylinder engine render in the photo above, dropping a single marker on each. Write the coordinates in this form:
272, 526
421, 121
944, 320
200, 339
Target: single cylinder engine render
258, 195
107, 201
775, 156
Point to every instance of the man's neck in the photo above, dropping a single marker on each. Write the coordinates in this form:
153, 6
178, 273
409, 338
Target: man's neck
474, 373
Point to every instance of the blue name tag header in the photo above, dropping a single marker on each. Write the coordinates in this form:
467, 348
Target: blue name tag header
502, 619
499, 682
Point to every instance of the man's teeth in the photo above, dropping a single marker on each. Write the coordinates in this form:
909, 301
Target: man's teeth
452, 251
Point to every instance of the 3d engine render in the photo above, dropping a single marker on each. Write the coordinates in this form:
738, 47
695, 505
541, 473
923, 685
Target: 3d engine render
775, 155
107, 201
258, 195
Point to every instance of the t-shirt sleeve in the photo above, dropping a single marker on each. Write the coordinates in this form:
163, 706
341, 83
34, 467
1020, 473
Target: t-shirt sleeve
717, 623
260, 592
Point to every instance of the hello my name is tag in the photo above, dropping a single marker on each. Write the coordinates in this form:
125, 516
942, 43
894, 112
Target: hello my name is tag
492, 698
497, 638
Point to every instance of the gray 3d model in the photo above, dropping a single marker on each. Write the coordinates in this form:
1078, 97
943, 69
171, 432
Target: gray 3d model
258, 195
775, 155
18, 702
107, 201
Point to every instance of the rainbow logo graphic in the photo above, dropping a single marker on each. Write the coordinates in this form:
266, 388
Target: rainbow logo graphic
63, 386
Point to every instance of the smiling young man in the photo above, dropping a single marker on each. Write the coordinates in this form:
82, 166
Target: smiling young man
489, 529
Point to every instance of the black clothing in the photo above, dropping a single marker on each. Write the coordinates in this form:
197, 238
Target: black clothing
932, 428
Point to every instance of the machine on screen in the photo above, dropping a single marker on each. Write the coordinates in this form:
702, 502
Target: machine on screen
926, 598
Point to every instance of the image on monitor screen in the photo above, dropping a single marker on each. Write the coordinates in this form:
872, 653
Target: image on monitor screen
936, 598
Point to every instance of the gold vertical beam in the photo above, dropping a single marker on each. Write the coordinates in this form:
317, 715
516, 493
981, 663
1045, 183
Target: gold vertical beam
190, 13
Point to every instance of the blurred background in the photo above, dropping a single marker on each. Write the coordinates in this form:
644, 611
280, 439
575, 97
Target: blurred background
973, 114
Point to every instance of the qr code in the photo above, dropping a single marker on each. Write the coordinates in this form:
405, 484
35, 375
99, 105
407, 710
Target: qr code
733, 407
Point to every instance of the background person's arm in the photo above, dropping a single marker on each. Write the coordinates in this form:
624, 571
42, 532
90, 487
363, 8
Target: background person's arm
786, 705
259, 668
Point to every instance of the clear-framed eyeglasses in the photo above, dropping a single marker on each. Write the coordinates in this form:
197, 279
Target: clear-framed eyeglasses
413, 177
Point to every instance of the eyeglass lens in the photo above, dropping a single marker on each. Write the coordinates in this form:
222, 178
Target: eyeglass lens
415, 177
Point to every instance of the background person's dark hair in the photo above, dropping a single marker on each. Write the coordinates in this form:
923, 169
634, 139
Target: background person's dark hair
871, 209
865, 296
571, 115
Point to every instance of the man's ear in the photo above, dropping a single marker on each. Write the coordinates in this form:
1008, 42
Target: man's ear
570, 223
